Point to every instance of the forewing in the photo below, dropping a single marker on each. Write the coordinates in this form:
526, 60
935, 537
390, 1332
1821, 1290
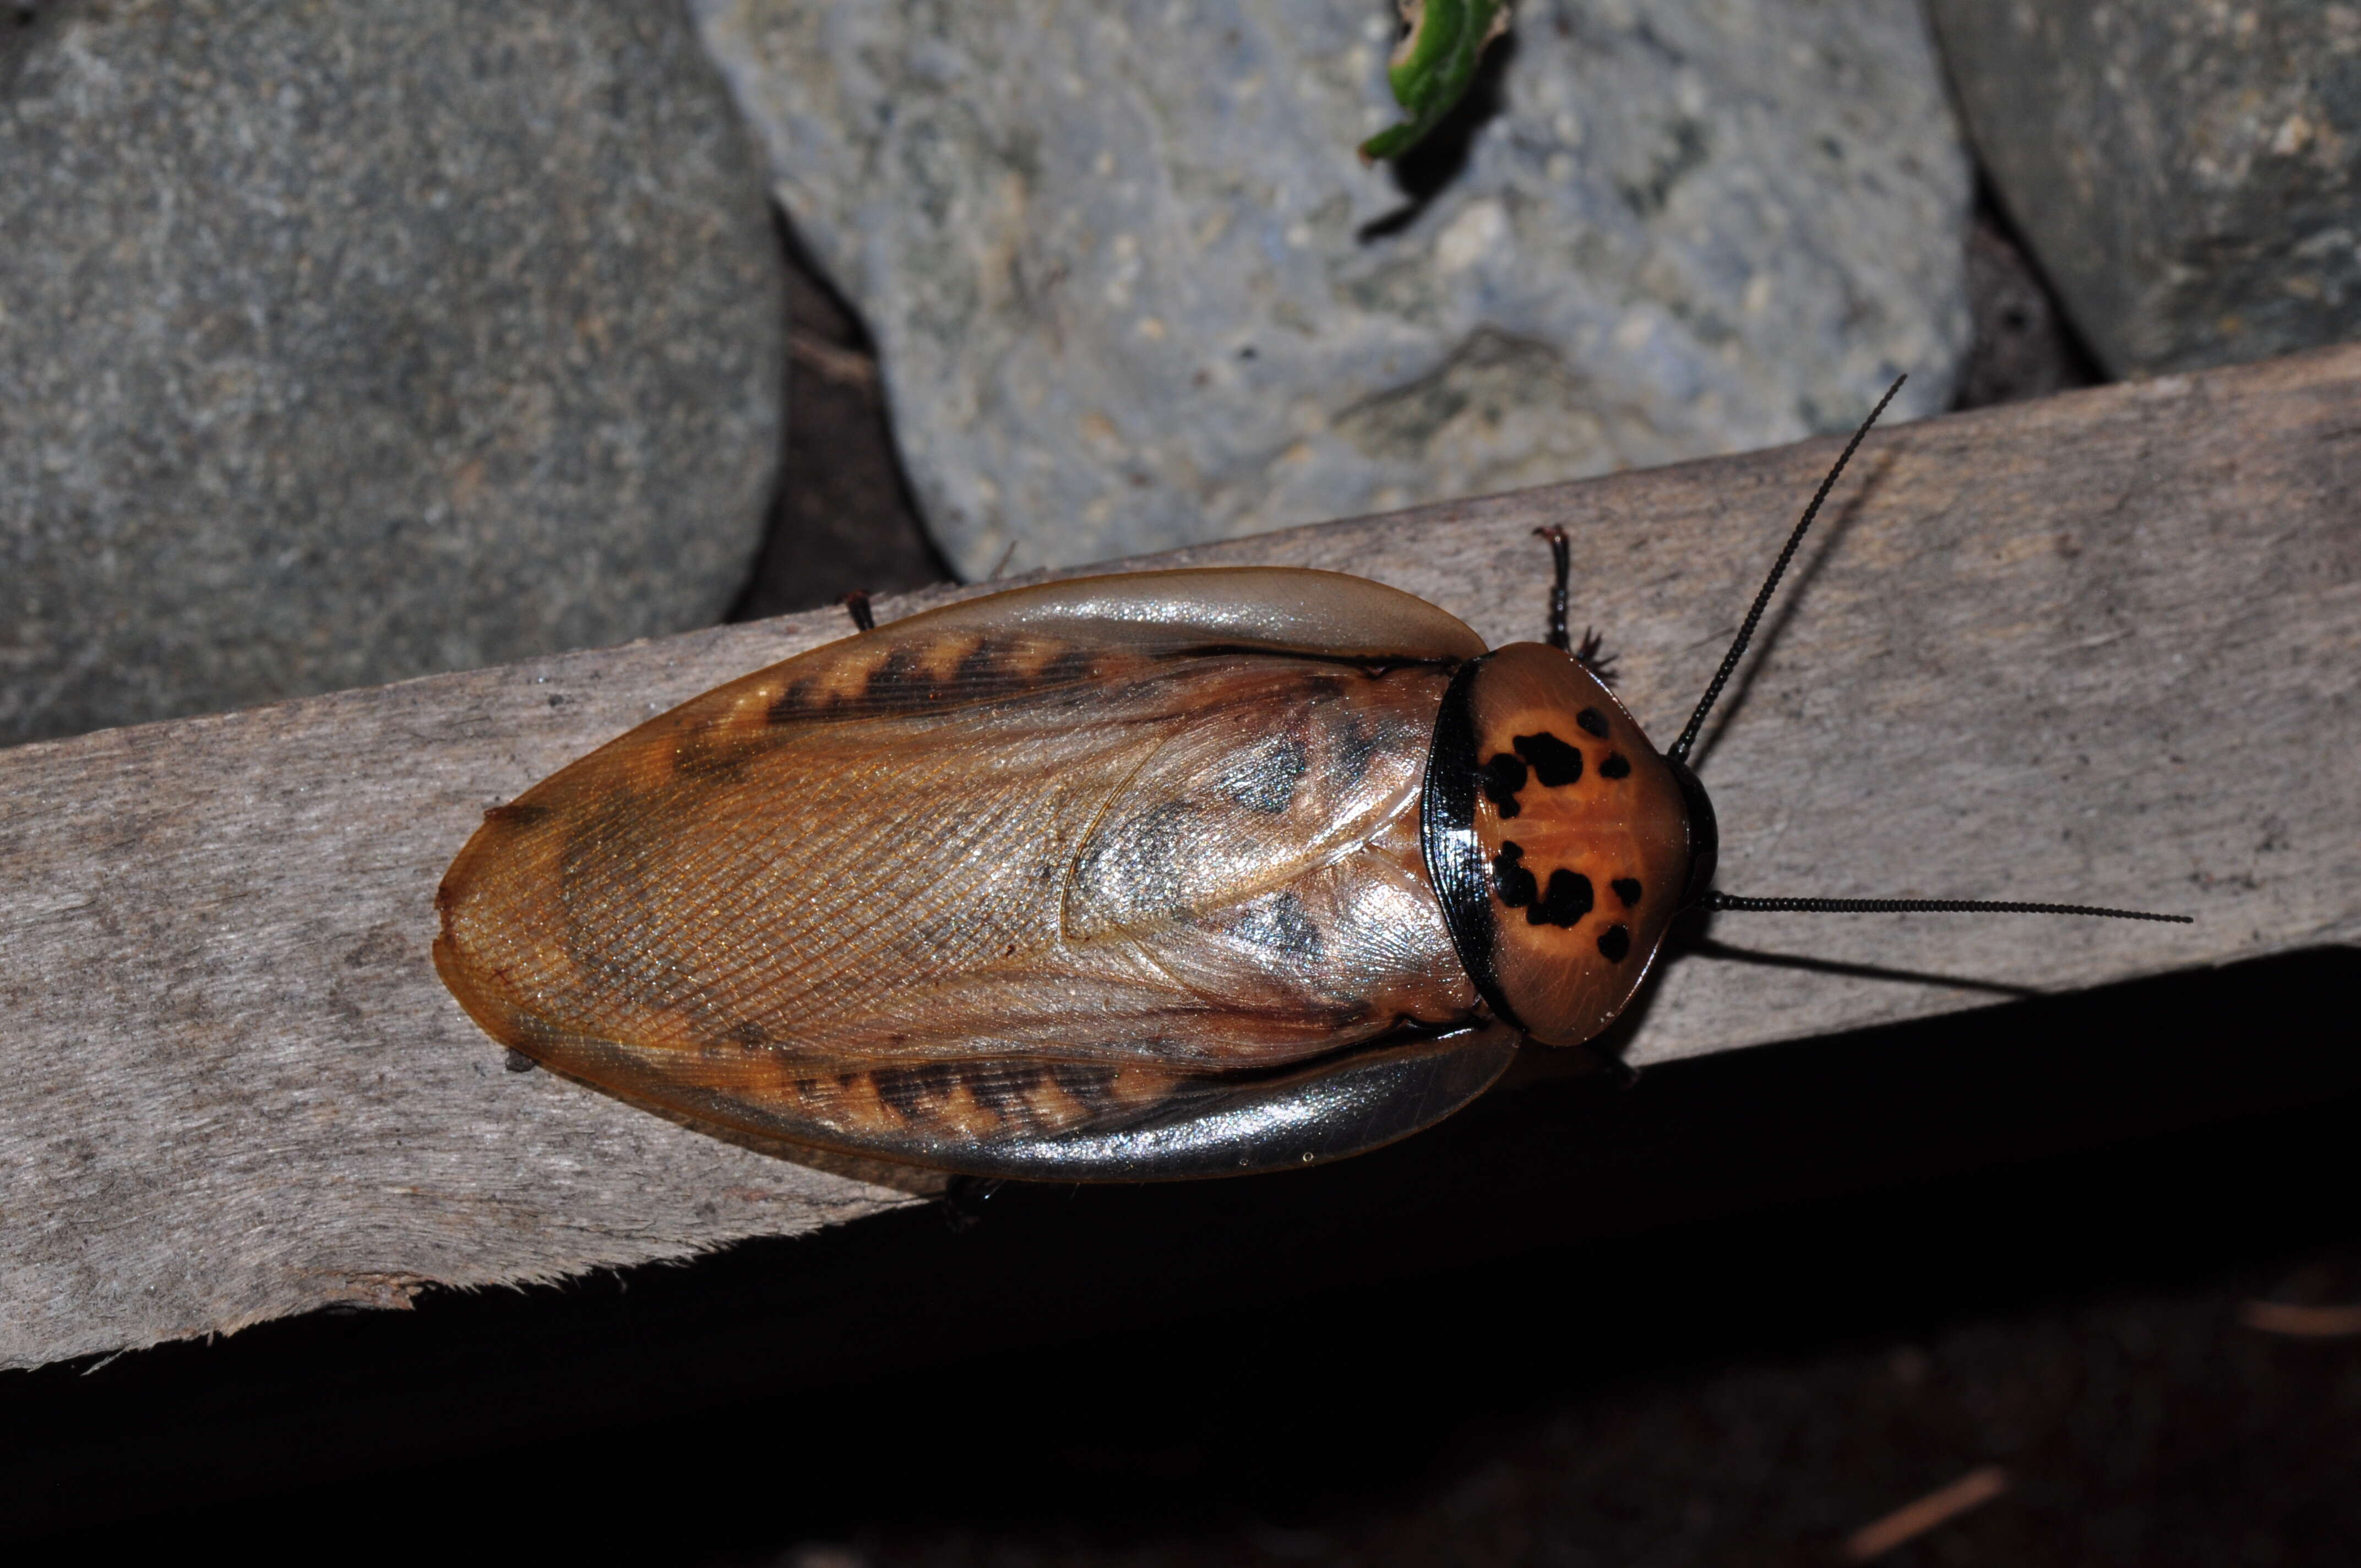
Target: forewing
1286, 767
799, 899
1224, 1127
1071, 1122
1325, 615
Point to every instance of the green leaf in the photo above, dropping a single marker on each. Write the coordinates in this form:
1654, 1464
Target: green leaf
1433, 65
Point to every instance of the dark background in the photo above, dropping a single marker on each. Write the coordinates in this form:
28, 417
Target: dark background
1726, 1315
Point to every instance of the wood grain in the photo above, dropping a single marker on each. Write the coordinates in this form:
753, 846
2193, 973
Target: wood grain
2100, 648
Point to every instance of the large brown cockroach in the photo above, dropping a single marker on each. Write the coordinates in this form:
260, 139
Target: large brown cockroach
1164, 874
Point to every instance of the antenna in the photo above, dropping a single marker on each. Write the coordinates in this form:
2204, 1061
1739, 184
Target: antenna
1680, 749
1924, 907
1678, 757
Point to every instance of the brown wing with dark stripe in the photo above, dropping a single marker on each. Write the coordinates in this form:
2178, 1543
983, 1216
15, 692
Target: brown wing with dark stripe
1048, 865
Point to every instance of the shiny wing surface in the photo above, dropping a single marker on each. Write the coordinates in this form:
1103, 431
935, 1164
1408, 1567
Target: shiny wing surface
1071, 1122
1077, 856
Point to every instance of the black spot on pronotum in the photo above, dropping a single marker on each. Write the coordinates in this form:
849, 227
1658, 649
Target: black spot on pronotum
1593, 722
1504, 776
1627, 890
1554, 762
1569, 898
1616, 766
1615, 942
1517, 885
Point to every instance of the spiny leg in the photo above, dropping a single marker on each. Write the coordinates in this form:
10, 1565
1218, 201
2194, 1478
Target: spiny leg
1590, 656
961, 1204
1561, 567
1621, 1073
1593, 658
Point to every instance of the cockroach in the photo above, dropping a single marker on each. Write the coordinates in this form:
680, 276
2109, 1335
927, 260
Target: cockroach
1153, 875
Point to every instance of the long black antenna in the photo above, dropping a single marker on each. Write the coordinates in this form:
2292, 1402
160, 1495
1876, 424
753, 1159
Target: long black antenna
1924, 907
1680, 749
1679, 752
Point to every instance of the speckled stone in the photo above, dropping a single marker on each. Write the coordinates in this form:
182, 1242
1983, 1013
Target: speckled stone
355, 340
2185, 173
1132, 288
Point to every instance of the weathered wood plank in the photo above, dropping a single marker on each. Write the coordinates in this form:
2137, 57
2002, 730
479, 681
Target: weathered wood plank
2100, 648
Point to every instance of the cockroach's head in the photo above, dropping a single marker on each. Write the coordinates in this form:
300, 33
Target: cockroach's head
1560, 843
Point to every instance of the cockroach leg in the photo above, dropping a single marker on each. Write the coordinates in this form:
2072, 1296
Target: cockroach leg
1624, 1074
962, 1201
1561, 570
1561, 566
856, 604
1595, 659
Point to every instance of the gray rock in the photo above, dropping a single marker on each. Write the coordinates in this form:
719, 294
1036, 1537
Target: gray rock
1132, 289
2185, 174
2022, 346
352, 341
